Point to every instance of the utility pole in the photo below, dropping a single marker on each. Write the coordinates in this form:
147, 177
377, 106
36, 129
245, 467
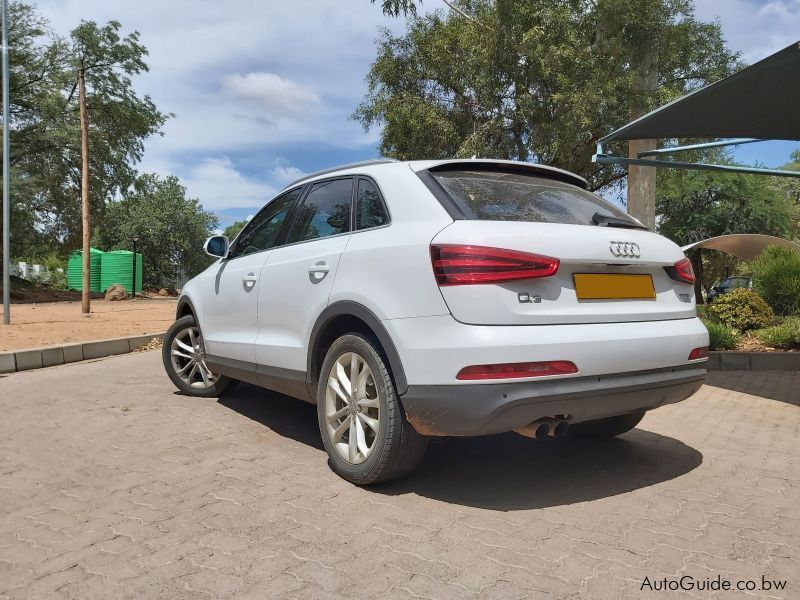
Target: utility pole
87, 265
6, 199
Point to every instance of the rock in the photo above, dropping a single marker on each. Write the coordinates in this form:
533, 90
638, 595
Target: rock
116, 292
163, 292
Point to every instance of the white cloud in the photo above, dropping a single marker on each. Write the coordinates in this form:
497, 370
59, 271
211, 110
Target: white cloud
274, 95
756, 29
285, 173
219, 185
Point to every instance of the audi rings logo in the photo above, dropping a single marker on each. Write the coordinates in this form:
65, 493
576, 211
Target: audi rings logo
625, 249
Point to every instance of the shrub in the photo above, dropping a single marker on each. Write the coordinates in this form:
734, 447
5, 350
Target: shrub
721, 337
785, 336
776, 276
741, 309
55, 280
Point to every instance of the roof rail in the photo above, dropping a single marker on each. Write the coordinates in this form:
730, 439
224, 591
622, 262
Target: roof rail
362, 163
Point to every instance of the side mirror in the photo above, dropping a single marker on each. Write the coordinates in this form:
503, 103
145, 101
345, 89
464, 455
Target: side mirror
217, 246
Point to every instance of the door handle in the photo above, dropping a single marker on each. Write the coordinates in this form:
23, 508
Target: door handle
317, 272
249, 281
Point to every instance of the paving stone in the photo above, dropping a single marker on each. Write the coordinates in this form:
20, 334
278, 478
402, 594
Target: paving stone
114, 486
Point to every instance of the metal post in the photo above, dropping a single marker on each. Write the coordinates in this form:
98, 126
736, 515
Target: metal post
6, 200
133, 285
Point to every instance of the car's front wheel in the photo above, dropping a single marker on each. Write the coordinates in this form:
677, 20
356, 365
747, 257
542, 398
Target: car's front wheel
184, 357
606, 428
364, 428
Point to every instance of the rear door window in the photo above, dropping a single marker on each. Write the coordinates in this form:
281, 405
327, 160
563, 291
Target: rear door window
325, 211
513, 196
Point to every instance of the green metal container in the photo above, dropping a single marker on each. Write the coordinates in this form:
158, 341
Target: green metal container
116, 267
75, 269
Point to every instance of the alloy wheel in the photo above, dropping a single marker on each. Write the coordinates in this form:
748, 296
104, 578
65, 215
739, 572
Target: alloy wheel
352, 408
189, 359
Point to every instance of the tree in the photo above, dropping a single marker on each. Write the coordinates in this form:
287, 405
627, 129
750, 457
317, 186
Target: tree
45, 128
696, 205
232, 230
537, 80
171, 228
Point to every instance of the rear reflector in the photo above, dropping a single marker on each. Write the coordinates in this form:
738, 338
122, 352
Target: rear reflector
512, 370
454, 264
681, 271
698, 353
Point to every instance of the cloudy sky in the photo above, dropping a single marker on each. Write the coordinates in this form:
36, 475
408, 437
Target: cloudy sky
263, 90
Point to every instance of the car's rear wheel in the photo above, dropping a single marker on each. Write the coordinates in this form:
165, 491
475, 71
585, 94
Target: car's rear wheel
606, 428
184, 358
364, 428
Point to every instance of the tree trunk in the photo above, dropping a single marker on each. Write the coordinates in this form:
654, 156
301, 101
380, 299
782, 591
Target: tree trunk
87, 265
642, 180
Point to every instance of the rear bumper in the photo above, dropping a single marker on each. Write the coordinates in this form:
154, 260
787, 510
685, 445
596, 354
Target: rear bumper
495, 408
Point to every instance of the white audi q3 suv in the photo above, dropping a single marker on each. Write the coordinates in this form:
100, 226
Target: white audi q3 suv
444, 297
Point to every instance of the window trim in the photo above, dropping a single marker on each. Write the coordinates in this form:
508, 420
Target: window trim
281, 233
380, 197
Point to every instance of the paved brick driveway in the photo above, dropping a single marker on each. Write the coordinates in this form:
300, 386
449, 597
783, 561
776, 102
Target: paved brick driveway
113, 486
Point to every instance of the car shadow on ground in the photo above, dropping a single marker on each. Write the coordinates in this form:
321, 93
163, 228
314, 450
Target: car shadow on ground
500, 472
753, 384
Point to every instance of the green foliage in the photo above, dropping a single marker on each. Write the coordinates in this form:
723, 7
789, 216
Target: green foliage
776, 276
533, 79
232, 230
742, 310
398, 7
45, 128
721, 337
55, 280
785, 336
171, 228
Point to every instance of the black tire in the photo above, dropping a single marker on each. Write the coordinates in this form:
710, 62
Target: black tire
399, 448
220, 384
606, 428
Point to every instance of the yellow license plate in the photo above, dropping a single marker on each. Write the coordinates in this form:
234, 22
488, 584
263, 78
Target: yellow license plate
613, 286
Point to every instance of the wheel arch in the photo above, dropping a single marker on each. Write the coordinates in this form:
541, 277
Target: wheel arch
185, 307
343, 316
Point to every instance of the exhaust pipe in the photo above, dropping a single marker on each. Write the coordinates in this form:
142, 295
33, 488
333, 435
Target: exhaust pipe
537, 430
558, 428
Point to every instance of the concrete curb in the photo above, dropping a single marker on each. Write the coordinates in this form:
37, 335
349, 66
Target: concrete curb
38, 358
753, 361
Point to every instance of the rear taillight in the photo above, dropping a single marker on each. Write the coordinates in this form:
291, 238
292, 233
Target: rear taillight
455, 264
699, 353
681, 271
513, 370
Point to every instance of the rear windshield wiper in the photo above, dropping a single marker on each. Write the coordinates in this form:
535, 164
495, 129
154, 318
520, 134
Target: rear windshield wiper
609, 221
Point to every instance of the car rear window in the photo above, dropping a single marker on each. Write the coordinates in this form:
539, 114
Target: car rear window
501, 196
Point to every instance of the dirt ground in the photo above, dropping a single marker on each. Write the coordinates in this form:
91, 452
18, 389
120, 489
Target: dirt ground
53, 323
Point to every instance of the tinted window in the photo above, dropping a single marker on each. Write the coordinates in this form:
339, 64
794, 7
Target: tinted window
261, 233
324, 212
370, 211
502, 196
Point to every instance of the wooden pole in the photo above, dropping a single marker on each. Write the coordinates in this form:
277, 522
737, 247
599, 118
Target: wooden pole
87, 265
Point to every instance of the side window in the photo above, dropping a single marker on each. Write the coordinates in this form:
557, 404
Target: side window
370, 210
261, 233
324, 212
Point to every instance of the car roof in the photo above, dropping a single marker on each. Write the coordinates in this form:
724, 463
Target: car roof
422, 165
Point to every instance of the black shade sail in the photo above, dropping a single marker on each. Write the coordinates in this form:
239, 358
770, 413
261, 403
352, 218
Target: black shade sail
761, 101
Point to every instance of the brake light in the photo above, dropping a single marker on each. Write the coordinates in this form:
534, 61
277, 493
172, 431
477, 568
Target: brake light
699, 353
513, 370
681, 271
455, 264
